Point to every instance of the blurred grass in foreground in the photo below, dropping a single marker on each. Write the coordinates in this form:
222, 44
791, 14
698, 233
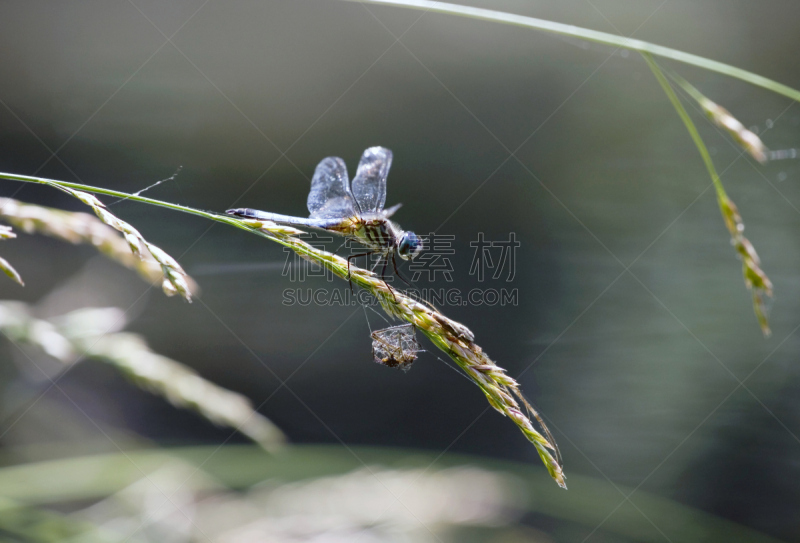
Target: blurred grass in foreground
323, 493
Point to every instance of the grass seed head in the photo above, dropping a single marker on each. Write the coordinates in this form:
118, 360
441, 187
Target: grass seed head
85, 333
6, 232
453, 338
155, 265
9, 270
746, 139
754, 277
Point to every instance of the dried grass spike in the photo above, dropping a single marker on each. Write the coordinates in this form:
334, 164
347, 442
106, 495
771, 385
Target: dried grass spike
183, 387
723, 118
731, 216
7, 233
755, 279
9, 270
744, 137
175, 279
453, 338
76, 227
85, 333
761, 311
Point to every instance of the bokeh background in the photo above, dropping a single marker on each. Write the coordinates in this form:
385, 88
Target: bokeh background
634, 334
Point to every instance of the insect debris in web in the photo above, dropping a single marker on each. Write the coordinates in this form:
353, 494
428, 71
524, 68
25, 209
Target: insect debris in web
396, 346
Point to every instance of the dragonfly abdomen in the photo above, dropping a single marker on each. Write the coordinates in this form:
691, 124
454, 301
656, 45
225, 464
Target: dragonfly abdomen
325, 224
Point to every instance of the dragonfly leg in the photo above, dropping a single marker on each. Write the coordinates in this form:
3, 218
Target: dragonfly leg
349, 258
388, 286
383, 275
397, 271
383, 270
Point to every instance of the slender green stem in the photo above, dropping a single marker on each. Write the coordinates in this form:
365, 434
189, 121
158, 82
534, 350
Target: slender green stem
109, 192
595, 36
687, 121
225, 219
690, 89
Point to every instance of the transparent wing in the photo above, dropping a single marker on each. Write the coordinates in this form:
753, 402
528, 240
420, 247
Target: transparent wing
369, 184
330, 195
391, 211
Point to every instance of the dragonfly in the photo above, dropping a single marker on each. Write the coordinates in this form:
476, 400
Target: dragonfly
353, 210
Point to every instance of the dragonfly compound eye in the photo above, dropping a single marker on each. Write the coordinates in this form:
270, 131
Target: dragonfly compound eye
410, 246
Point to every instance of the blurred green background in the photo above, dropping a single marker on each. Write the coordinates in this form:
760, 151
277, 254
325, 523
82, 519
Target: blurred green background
633, 333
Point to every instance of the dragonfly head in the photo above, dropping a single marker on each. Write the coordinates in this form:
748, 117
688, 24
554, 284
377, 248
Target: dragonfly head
410, 246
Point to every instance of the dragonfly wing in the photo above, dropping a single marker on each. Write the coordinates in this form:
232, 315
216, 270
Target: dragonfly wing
369, 184
330, 195
391, 211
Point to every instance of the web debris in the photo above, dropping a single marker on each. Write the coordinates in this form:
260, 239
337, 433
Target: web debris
138, 193
396, 346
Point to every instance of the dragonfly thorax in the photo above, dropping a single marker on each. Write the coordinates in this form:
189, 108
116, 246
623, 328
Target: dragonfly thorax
384, 236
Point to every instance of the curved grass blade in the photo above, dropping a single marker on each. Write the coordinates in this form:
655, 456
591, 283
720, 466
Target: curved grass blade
595, 36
